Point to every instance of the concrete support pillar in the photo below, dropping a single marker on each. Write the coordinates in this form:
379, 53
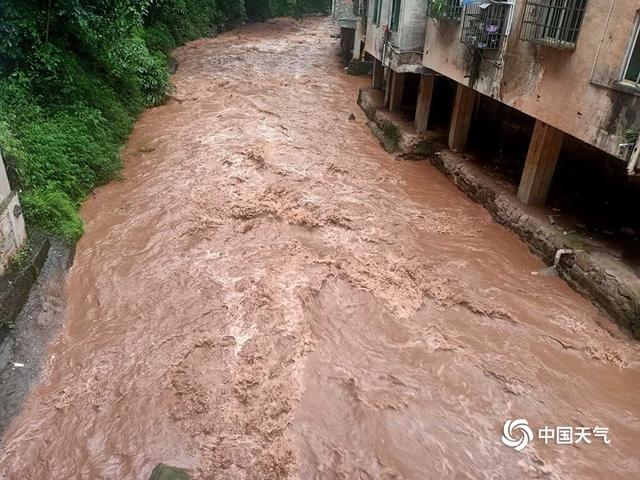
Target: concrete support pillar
357, 41
540, 165
423, 107
377, 78
397, 88
461, 118
347, 36
387, 86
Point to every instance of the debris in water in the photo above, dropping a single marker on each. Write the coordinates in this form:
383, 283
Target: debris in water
165, 472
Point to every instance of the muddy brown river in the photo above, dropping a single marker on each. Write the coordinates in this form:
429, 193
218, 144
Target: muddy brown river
267, 294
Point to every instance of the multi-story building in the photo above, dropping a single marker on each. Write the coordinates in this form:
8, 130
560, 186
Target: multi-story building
394, 37
572, 66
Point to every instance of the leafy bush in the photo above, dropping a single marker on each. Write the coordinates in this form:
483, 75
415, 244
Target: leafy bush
53, 212
159, 38
74, 75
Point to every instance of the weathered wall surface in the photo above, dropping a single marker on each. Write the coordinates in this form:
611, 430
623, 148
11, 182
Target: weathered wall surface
5, 188
343, 10
413, 18
374, 42
574, 91
13, 233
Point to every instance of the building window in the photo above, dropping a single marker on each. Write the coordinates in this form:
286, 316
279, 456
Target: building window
395, 15
484, 25
377, 7
631, 72
555, 23
447, 10
360, 8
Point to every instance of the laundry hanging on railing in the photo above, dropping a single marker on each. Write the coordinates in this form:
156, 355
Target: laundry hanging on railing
480, 3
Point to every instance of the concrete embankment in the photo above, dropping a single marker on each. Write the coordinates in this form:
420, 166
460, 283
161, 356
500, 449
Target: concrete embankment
603, 279
32, 302
16, 283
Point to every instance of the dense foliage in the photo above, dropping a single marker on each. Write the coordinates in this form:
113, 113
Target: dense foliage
74, 74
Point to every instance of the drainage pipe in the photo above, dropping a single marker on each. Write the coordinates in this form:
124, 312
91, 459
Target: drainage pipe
559, 254
631, 167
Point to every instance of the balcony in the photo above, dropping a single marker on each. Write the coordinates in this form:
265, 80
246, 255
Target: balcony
445, 10
484, 24
553, 23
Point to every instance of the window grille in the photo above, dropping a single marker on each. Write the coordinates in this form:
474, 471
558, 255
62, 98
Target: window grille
395, 15
447, 10
631, 74
377, 7
360, 8
555, 23
484, 24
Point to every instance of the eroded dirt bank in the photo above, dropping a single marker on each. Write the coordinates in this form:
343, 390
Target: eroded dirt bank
269, 295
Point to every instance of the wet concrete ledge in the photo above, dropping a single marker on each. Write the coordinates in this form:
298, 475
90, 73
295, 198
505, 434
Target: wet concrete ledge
35, 304
395, 134
359, 67
16, 283
602, 278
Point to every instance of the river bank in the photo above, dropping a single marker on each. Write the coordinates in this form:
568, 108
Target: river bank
597, 270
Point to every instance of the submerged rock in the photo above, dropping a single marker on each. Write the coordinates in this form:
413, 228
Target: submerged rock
165, 472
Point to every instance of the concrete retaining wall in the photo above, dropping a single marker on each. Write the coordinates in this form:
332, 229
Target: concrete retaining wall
600, 277
13, 233
608, 283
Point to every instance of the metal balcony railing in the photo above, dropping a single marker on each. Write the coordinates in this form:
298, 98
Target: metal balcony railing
484, 25
555, 23
447, 10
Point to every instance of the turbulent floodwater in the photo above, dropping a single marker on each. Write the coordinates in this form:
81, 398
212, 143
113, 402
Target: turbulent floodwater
267, 294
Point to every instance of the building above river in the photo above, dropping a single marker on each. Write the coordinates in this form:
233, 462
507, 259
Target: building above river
396, 32
564, 74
